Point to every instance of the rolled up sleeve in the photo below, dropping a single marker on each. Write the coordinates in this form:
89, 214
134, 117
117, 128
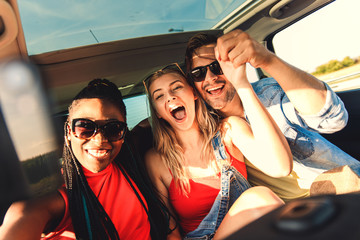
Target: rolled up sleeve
331, 118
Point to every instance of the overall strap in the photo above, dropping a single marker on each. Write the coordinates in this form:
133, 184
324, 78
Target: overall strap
220, 155
220, 207
218, 147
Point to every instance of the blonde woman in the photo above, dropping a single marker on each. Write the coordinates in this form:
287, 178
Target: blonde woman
197, 163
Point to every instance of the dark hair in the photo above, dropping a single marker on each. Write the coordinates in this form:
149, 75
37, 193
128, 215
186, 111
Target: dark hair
103, 89
196, 41
88, 215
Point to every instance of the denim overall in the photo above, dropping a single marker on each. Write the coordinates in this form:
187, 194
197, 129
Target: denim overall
233, 184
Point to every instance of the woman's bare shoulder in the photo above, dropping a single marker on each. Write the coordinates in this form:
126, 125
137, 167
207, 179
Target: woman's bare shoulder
156, 168
234, 120
234, 125
154, 162
152, 157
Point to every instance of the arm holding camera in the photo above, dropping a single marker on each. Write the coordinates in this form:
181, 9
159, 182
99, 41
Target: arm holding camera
29, 219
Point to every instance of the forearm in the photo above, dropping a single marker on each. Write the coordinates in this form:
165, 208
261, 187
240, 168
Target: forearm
331, 118
268, 138
21, 223
27, 219
161, 178
306, 93
173, 223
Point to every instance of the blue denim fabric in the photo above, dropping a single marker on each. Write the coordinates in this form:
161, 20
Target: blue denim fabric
312, 153
233, 184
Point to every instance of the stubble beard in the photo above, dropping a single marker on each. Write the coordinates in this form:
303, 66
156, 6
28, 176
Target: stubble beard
220, 103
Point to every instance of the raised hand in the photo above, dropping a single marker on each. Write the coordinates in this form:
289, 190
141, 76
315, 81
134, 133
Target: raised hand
239, 48
236, 75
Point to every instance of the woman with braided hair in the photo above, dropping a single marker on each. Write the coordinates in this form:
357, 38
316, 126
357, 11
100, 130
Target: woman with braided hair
107, 193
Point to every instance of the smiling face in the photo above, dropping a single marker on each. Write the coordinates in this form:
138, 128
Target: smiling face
96, 153
216, 90
173, 100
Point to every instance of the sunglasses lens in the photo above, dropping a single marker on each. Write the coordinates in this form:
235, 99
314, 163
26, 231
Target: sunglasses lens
83, 128
198, 74
215, 68
114, 131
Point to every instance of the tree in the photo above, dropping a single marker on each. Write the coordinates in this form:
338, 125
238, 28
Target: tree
347, 62
335, 65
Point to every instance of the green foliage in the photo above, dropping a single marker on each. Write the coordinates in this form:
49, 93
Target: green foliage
41, 166
347, 62
43, 173
335, 65
46, 185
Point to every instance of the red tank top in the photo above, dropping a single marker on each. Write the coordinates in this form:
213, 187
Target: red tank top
193, 208
119, 201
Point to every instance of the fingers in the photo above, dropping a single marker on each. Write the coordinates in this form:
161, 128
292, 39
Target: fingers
230, 42
236, 75
238, 55
226, 66
239, 48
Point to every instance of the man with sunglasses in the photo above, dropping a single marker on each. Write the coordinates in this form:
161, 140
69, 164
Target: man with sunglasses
301, 105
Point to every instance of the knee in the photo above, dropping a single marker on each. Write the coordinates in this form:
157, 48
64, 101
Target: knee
260, 195
256, 197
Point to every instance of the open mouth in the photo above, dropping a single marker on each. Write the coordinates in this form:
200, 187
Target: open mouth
98, 153
178, 113
215, 90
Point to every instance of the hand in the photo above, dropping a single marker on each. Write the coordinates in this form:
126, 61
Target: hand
236, 75
239, 48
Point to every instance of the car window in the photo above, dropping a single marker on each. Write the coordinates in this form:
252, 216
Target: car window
325, 44
137, 109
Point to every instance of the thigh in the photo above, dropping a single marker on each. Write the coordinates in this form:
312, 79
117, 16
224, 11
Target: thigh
251, 205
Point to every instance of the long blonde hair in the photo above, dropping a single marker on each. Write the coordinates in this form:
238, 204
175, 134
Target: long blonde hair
165, 141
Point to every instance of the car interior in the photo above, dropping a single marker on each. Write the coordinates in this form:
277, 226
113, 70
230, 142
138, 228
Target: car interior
126, 62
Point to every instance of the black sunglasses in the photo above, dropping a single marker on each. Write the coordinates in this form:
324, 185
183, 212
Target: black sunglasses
84, 129
198, 74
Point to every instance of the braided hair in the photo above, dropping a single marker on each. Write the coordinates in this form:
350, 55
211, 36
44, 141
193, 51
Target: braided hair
90, 220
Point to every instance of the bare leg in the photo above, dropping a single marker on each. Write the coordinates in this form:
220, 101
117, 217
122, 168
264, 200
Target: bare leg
251, 205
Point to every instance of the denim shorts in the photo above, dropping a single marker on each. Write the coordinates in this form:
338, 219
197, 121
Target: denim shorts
233, 184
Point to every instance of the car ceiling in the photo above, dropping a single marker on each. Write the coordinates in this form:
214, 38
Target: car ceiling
128, 62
